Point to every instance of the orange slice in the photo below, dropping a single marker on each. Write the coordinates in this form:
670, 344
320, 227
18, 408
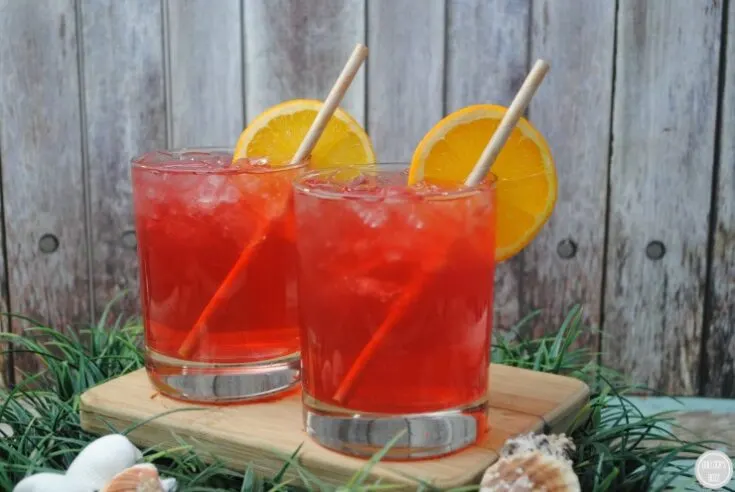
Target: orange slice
277, 133
526, 186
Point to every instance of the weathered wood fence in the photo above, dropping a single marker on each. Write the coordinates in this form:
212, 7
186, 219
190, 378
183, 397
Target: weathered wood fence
639, 109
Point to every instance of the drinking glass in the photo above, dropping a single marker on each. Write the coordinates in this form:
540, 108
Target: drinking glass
395, 305
217, 274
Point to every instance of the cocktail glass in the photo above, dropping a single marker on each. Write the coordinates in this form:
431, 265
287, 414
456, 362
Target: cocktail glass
395, 306
217, 274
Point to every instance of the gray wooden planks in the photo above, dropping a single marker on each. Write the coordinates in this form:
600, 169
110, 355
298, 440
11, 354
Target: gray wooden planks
660, 180
125, 116
296, 49
572, 110
206, 72
405, 74
58, 132
487, 57
42, 174
719, 356
487, 51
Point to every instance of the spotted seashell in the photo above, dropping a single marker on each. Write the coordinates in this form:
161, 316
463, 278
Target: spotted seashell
138, 478
530, 472
557, 446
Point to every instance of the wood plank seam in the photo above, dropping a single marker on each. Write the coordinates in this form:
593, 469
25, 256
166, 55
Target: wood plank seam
608, 187
84, 134
7, 360
717, 354
166, 47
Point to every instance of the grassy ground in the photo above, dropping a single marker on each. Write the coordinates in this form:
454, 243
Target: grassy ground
619, 446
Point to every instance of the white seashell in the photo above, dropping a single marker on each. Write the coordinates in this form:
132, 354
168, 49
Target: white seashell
530, 471
137, 478
47, 482
102, 459
169, 484
6, 431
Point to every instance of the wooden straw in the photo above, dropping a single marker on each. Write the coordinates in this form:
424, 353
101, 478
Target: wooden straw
331, 103
508, 123
416, 285
307, 145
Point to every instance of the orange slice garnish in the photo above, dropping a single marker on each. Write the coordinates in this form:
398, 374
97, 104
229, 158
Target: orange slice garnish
526, 185
277, 133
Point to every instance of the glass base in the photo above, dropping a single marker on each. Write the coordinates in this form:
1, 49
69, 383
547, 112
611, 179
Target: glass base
423, 435
222, 383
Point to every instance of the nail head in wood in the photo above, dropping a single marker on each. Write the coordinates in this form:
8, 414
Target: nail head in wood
129, 240
566, 249
655, 250
48, 243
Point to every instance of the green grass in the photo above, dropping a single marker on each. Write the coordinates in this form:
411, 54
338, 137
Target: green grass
617, 446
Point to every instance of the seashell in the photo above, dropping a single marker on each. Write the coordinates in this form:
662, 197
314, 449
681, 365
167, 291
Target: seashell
557, 446
530, 471
138, 478
46, 482
169, 484
102, 459
6, 431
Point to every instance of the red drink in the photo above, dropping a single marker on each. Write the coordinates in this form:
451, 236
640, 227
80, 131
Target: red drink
217, 239
395, 296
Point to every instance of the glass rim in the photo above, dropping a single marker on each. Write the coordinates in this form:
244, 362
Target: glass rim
139, 162
486, 185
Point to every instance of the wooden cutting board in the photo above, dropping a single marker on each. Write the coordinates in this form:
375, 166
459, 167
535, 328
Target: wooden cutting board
262, 435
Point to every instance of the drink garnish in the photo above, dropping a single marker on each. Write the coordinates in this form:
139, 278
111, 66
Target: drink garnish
462, 148
279, 130
525, 176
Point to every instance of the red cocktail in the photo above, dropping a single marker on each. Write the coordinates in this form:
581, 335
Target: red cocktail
395, 302
217, 274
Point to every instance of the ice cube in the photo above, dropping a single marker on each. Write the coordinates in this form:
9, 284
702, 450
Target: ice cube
372, 214
160, 156
377, 289
201, 160
152, 193
210, 191
179, 183
268, 194
415, 215
195, 156
247, 183
364, 183
230, 194
221, 159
